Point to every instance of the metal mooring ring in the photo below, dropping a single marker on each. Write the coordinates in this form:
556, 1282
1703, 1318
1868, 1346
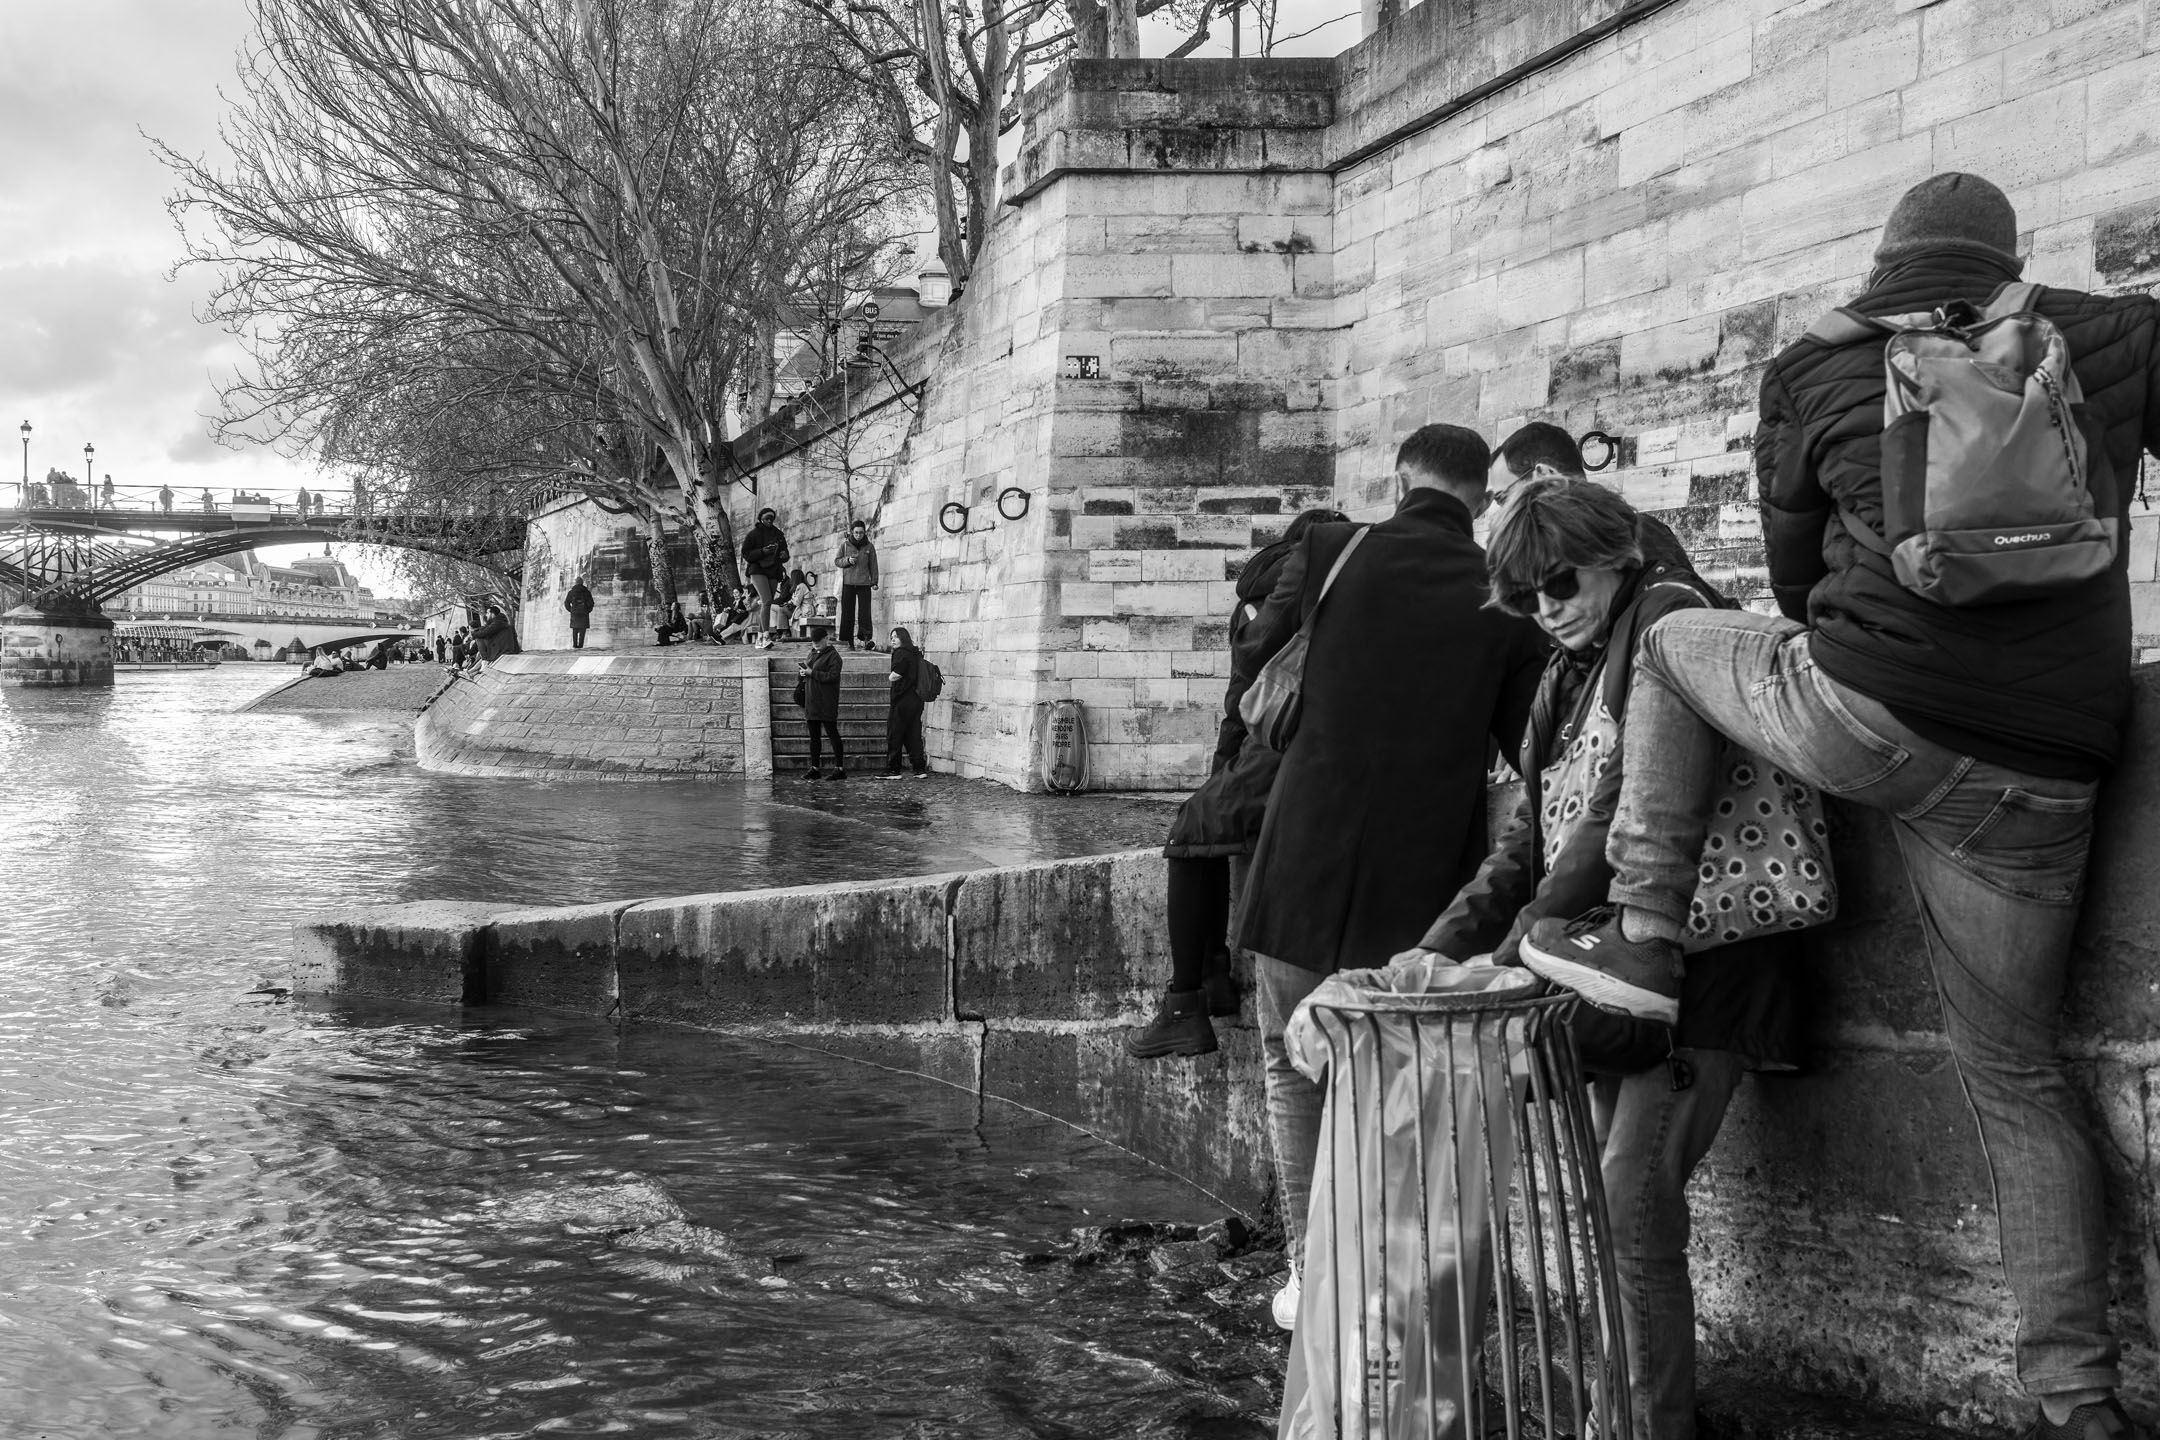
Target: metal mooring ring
1007, 493
945, 517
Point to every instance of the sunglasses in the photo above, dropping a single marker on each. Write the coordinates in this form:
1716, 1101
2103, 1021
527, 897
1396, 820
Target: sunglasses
1560, 585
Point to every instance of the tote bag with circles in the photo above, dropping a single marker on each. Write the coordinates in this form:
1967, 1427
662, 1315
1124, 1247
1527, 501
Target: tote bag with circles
1765, 859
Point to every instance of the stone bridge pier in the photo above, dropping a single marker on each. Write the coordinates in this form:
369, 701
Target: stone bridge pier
60, 643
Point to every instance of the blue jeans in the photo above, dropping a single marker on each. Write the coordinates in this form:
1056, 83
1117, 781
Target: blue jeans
1996, 862
1653, 1137
1294, 1103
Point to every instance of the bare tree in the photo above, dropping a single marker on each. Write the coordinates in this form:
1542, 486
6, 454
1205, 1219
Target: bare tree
588, 212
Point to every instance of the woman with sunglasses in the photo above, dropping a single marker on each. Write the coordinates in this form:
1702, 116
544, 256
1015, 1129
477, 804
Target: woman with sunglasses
1594, 573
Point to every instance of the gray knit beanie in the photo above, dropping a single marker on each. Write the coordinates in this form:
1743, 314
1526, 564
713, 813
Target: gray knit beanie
1956, 212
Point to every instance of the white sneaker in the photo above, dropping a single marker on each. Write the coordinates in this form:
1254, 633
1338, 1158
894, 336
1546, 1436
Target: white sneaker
1286, 1303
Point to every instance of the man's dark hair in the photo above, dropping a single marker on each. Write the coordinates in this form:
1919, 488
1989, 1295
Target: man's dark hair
1541, 443
1448, 452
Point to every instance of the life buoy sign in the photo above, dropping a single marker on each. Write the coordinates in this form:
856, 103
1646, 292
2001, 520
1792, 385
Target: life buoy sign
1064, 746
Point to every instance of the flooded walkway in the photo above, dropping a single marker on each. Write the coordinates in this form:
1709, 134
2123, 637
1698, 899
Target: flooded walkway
231, 1213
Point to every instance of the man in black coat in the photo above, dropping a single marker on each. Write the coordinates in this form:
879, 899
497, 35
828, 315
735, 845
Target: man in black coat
579, 603
1378, 814
1982, 730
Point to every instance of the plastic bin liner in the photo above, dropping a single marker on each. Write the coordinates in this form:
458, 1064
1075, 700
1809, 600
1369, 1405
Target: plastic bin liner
1416, 1147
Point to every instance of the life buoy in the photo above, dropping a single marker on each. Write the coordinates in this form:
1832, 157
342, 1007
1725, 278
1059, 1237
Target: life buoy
1064, 746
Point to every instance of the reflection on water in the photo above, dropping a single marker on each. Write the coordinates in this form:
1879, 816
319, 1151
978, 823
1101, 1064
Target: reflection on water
225, 1214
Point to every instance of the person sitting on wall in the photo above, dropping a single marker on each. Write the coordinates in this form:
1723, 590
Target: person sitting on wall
1982, 732
495, 638
734, 620
672, 626
1595, 575
1216, 826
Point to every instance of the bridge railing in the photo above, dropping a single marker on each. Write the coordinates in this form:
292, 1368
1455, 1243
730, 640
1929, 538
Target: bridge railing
140, 499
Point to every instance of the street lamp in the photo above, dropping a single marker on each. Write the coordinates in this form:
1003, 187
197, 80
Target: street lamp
26, 454
88, 450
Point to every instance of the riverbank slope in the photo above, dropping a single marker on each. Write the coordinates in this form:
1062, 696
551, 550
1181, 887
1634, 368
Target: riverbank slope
399, 690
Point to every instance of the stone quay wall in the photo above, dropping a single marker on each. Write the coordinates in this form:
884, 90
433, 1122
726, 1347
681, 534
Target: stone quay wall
1845, 1240
1219, 292
700, 713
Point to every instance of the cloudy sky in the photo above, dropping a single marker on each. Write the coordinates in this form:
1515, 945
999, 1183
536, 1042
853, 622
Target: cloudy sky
98, 339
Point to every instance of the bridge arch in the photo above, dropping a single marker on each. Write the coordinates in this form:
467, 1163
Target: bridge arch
112, 565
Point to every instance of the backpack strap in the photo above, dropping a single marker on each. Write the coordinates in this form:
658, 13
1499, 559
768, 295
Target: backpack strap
1860, 532
1845, 327
2014, 298
1336, 569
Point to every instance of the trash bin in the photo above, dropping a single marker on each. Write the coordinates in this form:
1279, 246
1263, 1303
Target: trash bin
1458, 1276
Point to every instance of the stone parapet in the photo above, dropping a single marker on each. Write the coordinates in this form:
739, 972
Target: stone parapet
621, 715
56, 647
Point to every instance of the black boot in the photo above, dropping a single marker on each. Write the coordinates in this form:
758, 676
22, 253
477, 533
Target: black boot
1221, 989
1180, 1027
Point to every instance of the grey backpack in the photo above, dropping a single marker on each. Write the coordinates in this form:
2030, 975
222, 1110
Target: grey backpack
1989, 483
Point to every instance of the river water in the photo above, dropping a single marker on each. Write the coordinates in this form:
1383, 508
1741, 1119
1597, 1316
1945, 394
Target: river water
226, 1214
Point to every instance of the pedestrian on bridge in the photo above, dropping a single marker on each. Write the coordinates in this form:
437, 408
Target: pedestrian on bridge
165, 498
209, 505
105, 494
303, 502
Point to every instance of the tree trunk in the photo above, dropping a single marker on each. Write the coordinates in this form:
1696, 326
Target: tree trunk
1124, 29
1091, 29
663, 574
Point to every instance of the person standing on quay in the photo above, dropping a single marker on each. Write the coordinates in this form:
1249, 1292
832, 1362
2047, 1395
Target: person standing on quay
857, 564
903, 718
821, 703
579, 603
765, 557
1378, 815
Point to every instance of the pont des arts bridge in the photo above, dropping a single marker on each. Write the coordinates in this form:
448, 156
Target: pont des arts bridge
1845, 1239
68, 550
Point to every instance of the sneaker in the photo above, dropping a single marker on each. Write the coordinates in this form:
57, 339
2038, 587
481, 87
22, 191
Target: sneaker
1220, 987
892, 775
2101, 1420
922, 774
1286, 1302
1590, 956
836, 773
1180, 1027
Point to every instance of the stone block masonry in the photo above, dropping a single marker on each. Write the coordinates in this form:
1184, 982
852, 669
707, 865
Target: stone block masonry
1844, 1236
626, 716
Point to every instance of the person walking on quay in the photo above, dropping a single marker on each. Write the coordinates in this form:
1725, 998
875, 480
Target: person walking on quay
1982, 730
495, 637
857, 564
820, 689
765, 557
1215, 828
165, 498
903, 716
1378, 814
579, 603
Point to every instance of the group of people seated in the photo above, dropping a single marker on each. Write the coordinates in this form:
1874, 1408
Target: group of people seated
1667, 853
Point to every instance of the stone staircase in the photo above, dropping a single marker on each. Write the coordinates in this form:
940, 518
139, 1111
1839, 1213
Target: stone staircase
864, 692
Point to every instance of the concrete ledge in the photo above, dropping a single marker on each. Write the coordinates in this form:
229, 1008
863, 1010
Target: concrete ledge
554, 959
1067, 940
826, 954
428, 952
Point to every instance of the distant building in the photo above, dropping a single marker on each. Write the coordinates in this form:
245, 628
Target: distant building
318, 587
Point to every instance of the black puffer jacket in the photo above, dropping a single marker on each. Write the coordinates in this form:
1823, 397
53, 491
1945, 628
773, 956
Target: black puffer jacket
1737, 997
1223, 816
2038, 685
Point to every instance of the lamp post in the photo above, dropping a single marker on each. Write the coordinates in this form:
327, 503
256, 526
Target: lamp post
88, 479
26, 460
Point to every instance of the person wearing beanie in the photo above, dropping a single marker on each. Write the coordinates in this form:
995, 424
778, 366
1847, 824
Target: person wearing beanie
765, 557
1982, 731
